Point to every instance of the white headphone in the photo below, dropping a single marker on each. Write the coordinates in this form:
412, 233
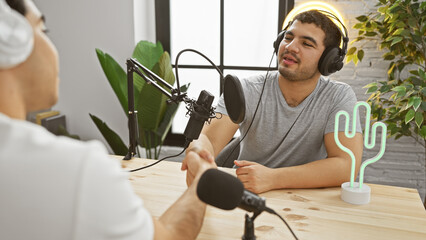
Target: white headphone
16, 37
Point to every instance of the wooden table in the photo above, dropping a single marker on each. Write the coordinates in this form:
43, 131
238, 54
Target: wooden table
393, 213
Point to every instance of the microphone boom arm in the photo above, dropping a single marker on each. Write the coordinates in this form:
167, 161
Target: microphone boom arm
133, 66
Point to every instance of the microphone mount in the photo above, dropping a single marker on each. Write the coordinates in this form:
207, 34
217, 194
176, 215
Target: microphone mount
249, 226
175, 96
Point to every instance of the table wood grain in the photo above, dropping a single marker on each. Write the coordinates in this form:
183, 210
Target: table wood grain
393, 213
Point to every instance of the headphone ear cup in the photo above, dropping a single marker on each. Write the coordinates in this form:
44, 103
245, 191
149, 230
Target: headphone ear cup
330, 61
16, 37
277, 42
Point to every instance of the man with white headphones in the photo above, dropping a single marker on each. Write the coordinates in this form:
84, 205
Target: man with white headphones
289, 113
55, 187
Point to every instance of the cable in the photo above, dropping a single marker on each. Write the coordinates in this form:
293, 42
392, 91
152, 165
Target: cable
288, 226
152, 164
199, 53
187, 141
255, 111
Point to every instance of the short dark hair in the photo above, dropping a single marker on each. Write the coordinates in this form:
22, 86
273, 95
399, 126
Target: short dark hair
18, 5
332, 34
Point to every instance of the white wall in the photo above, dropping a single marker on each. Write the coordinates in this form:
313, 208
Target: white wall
76, 28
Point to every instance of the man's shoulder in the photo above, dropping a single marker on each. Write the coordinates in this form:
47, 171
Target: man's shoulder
334, 87
256, 82
36, 141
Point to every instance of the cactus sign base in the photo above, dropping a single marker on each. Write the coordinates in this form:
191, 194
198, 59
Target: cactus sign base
355, 195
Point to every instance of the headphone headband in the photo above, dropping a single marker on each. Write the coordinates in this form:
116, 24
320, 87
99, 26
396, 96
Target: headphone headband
344, 35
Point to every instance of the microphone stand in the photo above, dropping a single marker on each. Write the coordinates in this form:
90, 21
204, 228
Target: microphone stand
249, 226
175, 95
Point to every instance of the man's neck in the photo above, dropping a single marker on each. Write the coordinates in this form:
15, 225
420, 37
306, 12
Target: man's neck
11, 99
295, 92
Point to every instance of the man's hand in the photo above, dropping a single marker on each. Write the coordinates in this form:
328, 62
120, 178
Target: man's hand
196, 162
255, 177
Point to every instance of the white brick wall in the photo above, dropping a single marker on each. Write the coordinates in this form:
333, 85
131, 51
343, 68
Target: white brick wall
403, 163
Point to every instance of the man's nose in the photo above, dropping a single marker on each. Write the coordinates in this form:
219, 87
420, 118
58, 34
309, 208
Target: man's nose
292, 46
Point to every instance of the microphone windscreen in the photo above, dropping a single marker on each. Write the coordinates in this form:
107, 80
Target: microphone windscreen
220, 189
234, 98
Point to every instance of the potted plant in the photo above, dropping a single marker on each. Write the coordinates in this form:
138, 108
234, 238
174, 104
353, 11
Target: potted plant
154, 114
399, 26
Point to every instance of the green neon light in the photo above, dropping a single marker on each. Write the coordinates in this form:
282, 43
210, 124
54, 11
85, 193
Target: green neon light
366, 137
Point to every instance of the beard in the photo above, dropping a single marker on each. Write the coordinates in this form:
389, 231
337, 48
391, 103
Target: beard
302, 74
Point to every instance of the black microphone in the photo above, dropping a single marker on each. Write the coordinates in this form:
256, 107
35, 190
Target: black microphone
234, 98
227, 192
199, 114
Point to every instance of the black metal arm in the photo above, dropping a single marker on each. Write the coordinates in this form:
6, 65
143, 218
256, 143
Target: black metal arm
175, 96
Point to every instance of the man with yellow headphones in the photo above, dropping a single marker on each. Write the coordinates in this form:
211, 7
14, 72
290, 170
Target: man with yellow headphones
55, 187
287, 133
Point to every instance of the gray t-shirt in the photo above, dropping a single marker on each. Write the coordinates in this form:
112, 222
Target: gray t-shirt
304, 142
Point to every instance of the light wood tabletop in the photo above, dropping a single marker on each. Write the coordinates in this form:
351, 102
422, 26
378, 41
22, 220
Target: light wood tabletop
393, 213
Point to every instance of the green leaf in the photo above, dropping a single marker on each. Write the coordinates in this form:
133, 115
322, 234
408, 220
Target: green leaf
360, 54
409, 116
351, 50
371, 89
423, 132
370, 85
416, 102
419, 119
356, 40
399, 89
116, 76
405, 33
412, 22
388, 56
414, 72
382, 9
409, 103
358, 26
370, 34
148, 53
396, 40
362, 18
398, 31
355, 59
400, 24
417, 39
422, 74
349, 58
151, 101
112, 138
395, 8
166, 123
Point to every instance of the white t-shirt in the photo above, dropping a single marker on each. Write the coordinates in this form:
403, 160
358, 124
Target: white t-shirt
58, 188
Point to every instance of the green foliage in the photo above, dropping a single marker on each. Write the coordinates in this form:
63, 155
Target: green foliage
154, 115
399, 26
114, 141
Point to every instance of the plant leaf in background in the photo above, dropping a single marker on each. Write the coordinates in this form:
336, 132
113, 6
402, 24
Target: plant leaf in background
399, 26
114, 141
150, 115
165, 125
148, 53
154, 115
116, 76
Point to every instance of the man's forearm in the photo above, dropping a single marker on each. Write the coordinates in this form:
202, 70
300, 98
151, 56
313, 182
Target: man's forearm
183, 220
322, 173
